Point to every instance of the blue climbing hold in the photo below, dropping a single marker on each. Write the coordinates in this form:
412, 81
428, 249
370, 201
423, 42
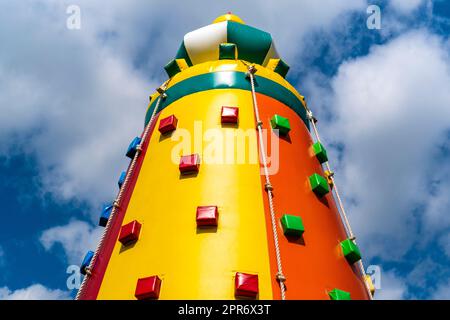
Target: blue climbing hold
133, 147
104, 217
122, 179
86, 261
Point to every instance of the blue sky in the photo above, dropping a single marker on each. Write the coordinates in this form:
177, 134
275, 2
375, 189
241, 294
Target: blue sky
71, 100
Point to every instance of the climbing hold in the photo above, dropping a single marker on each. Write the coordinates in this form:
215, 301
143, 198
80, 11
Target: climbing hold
320, 152
319, 185
207, 216
122, 177
148, 288
370, 285
175, 66
337, 294
292, 225
168, 124
104, 217
133, 147
230, 115
280, 123
189, 164
278, 66
227, 51
351, 251
329, 176
130, 232
246, 285
86, 262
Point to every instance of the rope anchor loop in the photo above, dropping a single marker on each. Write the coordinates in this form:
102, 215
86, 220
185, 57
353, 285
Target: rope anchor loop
162, 92
310, 116
251, 71
329, 175
281, 277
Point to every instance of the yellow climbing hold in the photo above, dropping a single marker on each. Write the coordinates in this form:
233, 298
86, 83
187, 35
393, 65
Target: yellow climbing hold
370, 284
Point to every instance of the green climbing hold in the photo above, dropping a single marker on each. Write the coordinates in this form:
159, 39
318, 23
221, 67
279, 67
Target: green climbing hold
351, 251
337, 294
280, 123
292, 225
319, 185
320, 152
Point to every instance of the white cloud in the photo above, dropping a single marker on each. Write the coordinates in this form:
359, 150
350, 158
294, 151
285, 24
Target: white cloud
390, 113
288, 21
76, 238
68, 100
405, 6
34, 292
393, 287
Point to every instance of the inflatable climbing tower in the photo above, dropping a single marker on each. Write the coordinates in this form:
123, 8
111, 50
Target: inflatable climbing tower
228, 195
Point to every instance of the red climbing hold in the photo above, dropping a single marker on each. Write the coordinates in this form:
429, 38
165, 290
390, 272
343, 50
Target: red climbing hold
190, 163
246, 285
207, 216
130, 232
148, 288
168, 124
230, 114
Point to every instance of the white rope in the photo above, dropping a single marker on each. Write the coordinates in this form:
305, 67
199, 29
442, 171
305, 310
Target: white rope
116, 205
280, 277
342, 212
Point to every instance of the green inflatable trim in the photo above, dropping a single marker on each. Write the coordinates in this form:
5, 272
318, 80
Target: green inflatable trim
229, 80
172, 68
227, 51
282, 68
253, 44
183, 54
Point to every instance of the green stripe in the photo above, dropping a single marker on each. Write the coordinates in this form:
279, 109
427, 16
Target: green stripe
183, 54
252, 44
230, 80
